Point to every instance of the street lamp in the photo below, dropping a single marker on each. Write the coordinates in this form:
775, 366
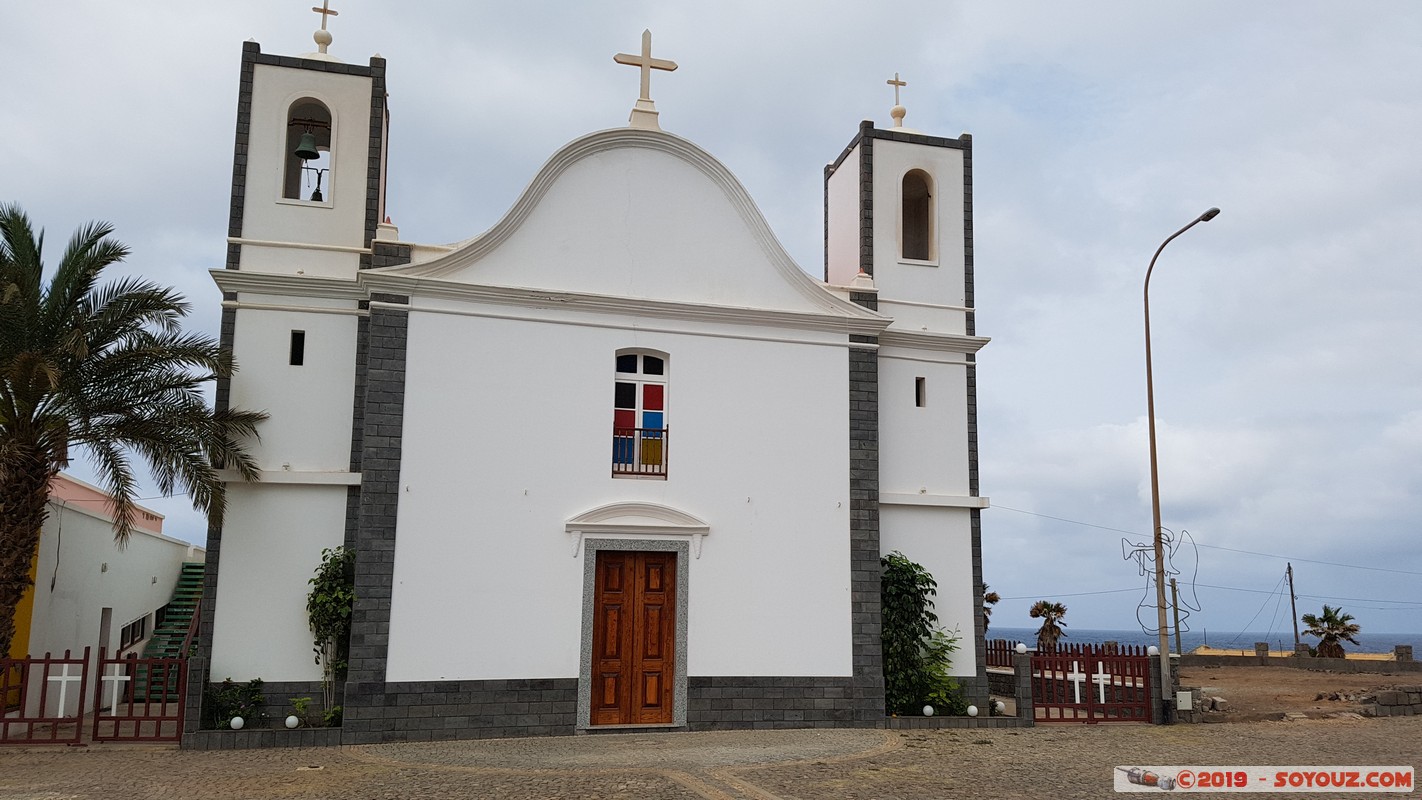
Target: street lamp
1155, 478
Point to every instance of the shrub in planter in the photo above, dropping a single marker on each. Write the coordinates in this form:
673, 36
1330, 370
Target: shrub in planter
223, 701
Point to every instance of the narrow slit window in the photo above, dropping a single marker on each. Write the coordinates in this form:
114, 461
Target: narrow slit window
920, 392
298, 348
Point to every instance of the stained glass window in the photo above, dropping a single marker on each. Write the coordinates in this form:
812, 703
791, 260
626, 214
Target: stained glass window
639, 416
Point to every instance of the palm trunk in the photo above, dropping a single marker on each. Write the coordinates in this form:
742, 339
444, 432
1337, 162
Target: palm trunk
24, 494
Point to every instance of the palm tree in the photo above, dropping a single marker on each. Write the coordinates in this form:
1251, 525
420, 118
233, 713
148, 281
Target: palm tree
989, 600
1051, 615
1332, 629
105, 369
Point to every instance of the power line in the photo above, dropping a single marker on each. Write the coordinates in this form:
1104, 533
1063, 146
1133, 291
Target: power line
1400, 605
1210, 546
1073, 594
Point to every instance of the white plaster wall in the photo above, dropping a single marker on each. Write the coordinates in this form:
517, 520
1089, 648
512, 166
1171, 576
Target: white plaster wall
507, 436
843, 209
288, 260
639, 222
271, 545
269, 216
941, 284
923, 449
90, 573
941, 540
310, 406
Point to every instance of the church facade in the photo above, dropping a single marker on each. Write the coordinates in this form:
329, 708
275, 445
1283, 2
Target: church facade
617, 462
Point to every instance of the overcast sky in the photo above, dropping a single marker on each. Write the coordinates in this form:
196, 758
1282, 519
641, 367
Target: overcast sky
1286, 331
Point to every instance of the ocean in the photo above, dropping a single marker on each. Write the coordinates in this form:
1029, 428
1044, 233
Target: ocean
1189, 640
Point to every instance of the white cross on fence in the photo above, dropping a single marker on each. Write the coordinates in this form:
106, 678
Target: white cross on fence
1076, 676
64, 679
1102, 680
116, 682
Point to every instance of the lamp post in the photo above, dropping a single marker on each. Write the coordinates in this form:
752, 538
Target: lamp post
1155, 480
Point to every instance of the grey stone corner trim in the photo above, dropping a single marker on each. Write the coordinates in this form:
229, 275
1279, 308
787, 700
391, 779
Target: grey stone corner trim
381, 439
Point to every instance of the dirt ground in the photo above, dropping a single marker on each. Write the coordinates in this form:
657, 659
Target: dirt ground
1263, 693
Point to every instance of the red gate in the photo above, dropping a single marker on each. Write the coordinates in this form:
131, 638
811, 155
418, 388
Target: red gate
140, 699
1091, 684
38, 696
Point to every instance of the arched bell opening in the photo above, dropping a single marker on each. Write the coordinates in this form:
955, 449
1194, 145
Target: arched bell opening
308, 151
917, 216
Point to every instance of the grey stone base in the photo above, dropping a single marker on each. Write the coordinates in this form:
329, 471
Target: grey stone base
437, 710
252, 739
917, 723
443, 710
722, 703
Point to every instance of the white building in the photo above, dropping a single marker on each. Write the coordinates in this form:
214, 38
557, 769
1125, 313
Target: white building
618, 460
88, 591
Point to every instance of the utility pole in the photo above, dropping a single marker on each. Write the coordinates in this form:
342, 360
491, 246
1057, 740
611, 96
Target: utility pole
1175, 603
1293, 600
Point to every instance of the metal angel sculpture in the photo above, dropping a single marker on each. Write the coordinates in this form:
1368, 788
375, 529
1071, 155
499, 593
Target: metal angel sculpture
1182, 558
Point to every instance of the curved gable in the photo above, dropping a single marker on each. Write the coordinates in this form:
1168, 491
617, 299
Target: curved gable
642, 214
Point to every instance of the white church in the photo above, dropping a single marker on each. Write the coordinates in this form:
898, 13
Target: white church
617, 462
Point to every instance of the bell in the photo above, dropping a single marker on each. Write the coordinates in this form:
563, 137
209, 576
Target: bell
306, 150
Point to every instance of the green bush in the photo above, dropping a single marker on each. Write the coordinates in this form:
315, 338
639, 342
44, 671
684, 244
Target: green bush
223, 701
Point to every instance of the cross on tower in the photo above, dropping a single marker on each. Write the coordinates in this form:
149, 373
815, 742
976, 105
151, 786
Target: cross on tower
896, 83
898, 111
644, 113
325, 12
323, 36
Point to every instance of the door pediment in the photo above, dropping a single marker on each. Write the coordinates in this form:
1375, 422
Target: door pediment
635, 520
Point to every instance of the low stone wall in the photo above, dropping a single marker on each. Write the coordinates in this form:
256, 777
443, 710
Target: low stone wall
1002, 682
1403, 701
255, 739
919, 723
1304, 661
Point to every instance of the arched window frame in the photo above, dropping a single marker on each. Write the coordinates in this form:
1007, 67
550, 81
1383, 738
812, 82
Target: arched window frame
293, 187
918, 214
641, 403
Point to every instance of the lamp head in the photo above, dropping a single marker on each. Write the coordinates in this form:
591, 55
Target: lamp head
1209, 215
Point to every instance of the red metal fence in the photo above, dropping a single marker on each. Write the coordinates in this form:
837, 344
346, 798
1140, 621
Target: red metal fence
1091, 684
135, 699
140, 699
1001, 652
47, 707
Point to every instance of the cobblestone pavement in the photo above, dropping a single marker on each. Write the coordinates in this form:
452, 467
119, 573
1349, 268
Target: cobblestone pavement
1063, 761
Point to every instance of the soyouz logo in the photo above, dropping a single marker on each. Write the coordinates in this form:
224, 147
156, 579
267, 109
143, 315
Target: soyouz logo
1263, 779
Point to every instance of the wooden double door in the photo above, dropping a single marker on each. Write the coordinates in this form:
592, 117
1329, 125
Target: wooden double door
634, 638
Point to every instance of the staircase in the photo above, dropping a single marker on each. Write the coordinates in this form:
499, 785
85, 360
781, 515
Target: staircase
167, 640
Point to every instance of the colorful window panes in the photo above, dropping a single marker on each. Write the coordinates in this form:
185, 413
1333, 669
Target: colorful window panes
626, 395
639, 417
622, 449
652, 452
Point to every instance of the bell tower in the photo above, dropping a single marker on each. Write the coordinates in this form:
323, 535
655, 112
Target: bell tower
308, 170
899, 240
308, 194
